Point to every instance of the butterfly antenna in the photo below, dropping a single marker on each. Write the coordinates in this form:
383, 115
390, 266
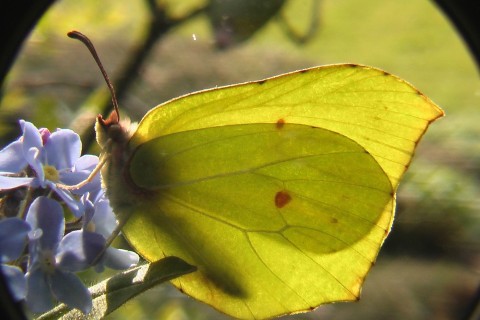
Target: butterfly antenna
86, 41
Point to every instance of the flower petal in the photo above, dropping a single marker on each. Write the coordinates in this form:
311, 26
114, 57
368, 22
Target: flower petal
47, 214
12, 159
73, 178
13, 238
39, 297
68, 289
7, 183
63, 149
31, 136
119, 259
96, 195
74, 205
16, 281
81, 171
32, 156
35, 258
86, 162
79, 249
104, 218
89, 211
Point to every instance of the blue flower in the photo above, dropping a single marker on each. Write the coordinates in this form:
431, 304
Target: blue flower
99, 218
13, 239
55, 159
53, 259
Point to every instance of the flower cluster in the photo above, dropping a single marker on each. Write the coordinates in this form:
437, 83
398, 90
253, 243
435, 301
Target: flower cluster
55, 232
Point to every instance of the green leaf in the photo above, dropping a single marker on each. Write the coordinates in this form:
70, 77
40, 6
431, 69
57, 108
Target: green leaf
112, 293
280, 191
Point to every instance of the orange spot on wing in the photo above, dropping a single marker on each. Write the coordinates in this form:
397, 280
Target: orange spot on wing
280, 123
282, 198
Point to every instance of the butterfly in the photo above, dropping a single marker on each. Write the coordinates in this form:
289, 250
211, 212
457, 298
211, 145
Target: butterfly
280, 191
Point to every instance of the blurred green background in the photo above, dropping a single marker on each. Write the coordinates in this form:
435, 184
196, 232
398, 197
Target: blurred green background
429, 266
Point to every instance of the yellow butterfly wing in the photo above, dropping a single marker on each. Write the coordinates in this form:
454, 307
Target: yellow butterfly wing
281, 191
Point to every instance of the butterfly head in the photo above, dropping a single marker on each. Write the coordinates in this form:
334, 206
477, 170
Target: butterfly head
113, 130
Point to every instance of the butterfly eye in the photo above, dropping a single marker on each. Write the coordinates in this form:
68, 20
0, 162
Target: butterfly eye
117, 133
